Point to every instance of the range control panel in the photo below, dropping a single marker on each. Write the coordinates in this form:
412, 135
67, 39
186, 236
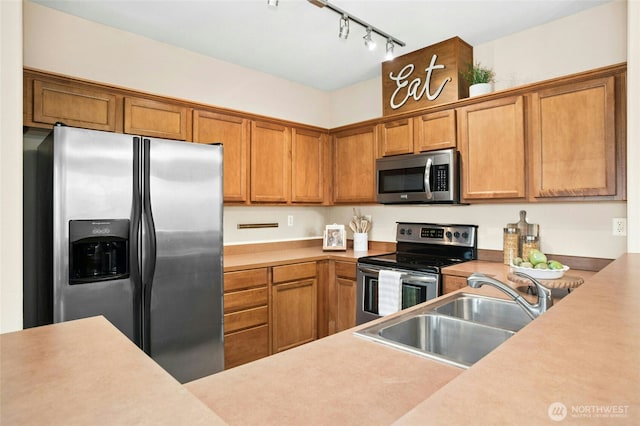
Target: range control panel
432, 233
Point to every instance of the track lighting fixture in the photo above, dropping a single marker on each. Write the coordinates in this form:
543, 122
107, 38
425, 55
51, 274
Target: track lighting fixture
272, 3
344, 27
368, 41
389, 55
345, 17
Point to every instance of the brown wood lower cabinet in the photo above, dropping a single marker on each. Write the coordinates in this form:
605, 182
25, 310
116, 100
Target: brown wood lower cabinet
294, 309
452, 283
246, 316
345, 295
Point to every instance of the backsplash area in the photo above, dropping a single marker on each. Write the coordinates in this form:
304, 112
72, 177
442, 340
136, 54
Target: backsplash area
575, 229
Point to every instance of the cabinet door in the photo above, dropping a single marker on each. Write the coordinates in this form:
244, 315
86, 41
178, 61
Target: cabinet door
270, 162
452, 283
307, 166
74, 105
354, 159
233, 133
574, 140
491, 143
156, 119
395, 137
435, 131
346, 306
294, 314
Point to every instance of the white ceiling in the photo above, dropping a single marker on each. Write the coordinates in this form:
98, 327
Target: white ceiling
299, 42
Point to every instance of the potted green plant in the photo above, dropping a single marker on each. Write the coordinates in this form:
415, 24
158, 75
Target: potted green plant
480, 79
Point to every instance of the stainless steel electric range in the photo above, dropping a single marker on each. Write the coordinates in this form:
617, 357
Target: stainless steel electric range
422, 250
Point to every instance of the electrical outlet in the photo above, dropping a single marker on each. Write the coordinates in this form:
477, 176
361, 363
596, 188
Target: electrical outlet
290, 220
619, 226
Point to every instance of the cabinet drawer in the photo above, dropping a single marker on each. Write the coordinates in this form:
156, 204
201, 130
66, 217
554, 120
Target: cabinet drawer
245, 319
294, 272
241, 280
346, 270
246, 346
245, 299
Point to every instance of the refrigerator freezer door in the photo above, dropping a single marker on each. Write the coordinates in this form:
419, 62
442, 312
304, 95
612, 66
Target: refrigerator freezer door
93, 184
183, 302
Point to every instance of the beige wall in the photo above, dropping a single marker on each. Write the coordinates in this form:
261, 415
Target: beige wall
633, 127
10, 165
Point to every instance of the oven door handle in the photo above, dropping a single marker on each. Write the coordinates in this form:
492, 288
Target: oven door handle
405, 277
409, 278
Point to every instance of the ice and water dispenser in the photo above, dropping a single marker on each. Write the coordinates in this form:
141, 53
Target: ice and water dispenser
98, 250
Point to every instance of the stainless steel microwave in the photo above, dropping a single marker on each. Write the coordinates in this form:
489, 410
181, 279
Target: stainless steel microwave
428, 177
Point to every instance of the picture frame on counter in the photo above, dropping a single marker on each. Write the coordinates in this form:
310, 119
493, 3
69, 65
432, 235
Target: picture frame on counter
335, 237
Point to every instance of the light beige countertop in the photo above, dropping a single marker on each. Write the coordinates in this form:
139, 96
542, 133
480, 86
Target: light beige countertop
88, 373
259, 259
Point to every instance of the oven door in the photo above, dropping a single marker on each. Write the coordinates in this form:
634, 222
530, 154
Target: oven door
417, 287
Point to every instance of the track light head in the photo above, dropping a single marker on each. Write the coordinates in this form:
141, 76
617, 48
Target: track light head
389, 56
344, 27
272, 3
368, 41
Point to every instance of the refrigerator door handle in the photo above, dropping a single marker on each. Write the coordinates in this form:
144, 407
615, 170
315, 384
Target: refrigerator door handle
148, 245
134, 243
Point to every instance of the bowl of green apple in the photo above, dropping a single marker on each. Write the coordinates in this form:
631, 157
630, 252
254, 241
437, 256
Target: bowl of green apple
536, 265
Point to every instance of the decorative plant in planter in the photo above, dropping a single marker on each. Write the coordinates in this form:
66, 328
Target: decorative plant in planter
480, 79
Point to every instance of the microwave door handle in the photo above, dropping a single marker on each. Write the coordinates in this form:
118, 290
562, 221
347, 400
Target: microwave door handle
427, 177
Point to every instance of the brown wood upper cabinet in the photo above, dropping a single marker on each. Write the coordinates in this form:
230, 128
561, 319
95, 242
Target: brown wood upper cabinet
294, 305
433, 131
233, 132
395, 137
270, 162
308, 150
156, 119
573, 135
72, 104
491, 138
354, 163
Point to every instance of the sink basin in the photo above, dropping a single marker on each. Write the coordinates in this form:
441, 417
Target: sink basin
486, 310
457, 330
451, 340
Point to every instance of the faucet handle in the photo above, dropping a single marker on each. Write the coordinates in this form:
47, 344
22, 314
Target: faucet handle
544, 294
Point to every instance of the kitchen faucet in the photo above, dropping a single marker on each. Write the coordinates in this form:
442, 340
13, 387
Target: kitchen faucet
477, 280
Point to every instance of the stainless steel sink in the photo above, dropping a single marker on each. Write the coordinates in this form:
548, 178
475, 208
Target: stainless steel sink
486, 310
457, 330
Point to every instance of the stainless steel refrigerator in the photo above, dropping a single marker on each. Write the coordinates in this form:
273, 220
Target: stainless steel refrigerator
130, 228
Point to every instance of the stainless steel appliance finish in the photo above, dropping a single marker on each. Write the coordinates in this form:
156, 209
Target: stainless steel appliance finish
422, 250
136, 236
428, 177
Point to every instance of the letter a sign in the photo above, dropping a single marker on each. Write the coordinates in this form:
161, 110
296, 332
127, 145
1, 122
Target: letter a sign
426, 77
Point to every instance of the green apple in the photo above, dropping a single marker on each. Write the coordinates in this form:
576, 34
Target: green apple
536, 257
517, 261
554, 264
526, 265
541, 265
